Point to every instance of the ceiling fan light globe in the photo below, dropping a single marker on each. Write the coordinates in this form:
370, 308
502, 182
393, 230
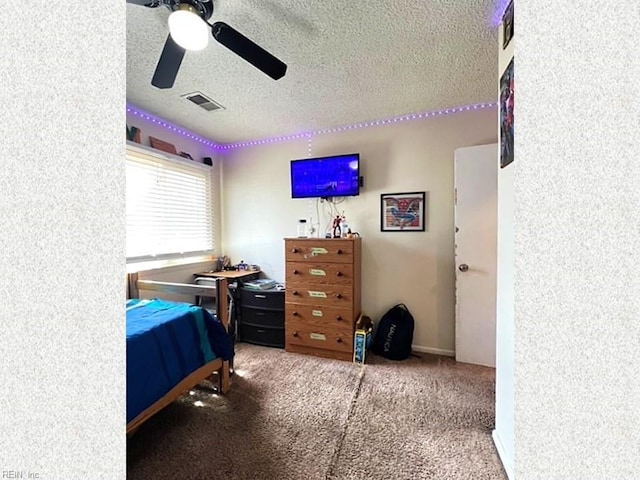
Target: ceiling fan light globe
188, 30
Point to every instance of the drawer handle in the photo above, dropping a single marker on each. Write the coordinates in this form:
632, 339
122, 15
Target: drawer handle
260, 314
339, 317
339, 274
296, 272
339, 295
295, 292
295, 334
339, 340
294, 250
260, 296
339, 251
295, 314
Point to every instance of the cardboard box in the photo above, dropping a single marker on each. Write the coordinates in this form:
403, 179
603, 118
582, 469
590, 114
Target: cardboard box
362, 338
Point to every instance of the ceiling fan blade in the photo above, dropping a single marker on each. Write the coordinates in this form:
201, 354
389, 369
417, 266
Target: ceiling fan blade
145, 3
252, 53
168, 65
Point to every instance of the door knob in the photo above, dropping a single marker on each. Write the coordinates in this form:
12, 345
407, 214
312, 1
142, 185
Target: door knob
463, 267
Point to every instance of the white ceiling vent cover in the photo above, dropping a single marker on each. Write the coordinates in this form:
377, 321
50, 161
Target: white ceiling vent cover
203, 101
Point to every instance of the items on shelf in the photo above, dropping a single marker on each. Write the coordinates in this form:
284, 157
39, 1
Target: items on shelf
242, 266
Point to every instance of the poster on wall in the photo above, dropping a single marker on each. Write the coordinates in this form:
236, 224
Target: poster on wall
506, 116
507, 26
402, 212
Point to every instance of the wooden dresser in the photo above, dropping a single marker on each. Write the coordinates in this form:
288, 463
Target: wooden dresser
322, 296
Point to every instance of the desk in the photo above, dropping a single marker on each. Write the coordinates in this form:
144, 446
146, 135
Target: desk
238, 276
242, 275
234, 295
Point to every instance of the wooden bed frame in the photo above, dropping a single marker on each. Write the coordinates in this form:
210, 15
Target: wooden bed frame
216, 368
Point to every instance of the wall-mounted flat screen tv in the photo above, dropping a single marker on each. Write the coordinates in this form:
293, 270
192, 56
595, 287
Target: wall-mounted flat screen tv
324, 177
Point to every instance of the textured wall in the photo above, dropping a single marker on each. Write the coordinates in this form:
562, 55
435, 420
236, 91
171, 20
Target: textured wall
416, 268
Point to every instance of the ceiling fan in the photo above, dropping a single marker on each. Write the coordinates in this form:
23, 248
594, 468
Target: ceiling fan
189, 30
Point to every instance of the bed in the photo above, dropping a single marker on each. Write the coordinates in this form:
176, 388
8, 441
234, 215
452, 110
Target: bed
173, 346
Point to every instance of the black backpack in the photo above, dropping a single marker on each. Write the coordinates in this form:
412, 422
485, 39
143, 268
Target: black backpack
394, 334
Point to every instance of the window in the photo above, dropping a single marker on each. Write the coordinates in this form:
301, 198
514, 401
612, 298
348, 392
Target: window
169, 207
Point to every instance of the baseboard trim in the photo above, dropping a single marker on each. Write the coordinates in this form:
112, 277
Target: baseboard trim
434, 351
507, 463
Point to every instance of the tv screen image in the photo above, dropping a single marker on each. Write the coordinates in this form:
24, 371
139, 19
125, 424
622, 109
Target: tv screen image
323, 177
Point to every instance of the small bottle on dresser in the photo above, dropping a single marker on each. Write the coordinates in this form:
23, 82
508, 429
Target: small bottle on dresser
302, 228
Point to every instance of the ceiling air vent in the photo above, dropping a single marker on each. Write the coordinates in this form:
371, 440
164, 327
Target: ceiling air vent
203, 101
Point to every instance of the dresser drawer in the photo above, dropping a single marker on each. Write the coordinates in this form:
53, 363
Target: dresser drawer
332, 273
317, 250
271, 299
320, 316
317, 337
267, 336
262, 318
338, 296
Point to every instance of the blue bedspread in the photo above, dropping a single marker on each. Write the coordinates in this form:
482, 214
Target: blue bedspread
166, 341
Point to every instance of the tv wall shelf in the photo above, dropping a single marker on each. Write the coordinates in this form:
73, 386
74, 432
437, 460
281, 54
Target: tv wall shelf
144, 149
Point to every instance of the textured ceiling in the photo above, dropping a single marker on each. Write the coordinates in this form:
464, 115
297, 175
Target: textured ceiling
348, 62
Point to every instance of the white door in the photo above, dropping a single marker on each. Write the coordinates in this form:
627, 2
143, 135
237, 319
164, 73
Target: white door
476, 191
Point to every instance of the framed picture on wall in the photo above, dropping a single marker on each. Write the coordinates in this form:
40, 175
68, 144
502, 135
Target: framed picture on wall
506, 116
402, 212
507, 26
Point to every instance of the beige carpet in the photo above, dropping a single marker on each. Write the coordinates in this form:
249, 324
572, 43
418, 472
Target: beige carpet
299, 417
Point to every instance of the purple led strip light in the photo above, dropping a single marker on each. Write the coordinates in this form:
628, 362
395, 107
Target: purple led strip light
139, 113
308, 135
374, 123
499, 12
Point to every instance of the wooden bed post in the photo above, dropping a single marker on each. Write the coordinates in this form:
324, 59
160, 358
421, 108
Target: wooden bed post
222, 311
222, 307
132, 286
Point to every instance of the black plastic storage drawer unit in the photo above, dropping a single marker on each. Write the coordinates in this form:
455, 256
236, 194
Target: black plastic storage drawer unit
262, 320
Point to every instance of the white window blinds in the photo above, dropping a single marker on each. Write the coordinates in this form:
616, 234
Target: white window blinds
169, 207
